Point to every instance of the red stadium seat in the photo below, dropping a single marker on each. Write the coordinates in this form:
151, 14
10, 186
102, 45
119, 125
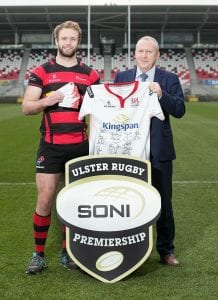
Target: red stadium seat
206, 62
10, 63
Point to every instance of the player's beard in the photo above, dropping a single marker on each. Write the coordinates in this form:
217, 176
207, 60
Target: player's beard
72, 53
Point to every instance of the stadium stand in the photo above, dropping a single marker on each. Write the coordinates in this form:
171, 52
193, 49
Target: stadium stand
96, 61
206, 62
197, 68
173, 60
187, 35
119, 62
40, 56
10, 63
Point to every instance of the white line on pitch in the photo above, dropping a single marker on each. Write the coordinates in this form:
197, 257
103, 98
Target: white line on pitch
175, 182
195, 181
17, 183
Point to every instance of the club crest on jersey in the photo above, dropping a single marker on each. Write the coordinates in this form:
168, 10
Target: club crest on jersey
135, 102
108, 206
40, 160
52, 78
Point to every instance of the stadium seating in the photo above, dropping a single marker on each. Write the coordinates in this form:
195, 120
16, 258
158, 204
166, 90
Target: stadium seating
173, 60
206, 62
96, 61
120, 62
40, 56
10, 63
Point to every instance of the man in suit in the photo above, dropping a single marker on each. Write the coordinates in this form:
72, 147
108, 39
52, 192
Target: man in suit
162, 152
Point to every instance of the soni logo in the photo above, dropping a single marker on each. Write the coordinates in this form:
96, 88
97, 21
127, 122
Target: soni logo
112, 205
103, 211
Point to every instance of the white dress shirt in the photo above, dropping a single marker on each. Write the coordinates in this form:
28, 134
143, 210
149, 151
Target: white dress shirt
150, 74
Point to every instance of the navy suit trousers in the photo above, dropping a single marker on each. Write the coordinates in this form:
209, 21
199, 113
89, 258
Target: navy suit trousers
162, 181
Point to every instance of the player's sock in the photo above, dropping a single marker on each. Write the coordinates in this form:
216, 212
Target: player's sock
41, 227
66, 261
64, 238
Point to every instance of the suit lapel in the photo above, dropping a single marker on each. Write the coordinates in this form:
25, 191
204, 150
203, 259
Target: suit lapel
158, 75
132, 74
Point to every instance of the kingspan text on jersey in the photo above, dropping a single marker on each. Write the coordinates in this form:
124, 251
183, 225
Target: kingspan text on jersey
119, 127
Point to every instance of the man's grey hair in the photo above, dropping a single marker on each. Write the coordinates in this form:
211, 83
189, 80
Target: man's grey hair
149, 38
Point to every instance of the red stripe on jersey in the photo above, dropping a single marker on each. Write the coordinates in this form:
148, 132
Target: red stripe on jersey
70, 76
61, 77
94, 76
64, 117
64, 138
69, 138
40, 73
51, 76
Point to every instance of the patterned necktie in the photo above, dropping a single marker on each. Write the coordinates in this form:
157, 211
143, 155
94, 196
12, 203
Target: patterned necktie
144, 76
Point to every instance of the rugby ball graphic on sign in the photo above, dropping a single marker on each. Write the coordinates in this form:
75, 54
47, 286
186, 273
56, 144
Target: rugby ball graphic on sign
108, 218
109, 261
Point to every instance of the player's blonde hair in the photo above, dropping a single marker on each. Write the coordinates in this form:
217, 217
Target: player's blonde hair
68, 24
149, 38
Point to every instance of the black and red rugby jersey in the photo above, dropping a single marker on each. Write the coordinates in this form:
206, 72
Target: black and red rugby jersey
61, 125
51, 76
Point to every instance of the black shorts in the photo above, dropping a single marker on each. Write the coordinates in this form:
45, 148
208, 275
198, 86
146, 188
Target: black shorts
52, 158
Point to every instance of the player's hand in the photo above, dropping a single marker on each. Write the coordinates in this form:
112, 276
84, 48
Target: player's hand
155, 88
53, 98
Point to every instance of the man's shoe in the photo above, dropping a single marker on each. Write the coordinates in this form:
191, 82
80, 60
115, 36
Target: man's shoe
67, 262
36, 265
169, 260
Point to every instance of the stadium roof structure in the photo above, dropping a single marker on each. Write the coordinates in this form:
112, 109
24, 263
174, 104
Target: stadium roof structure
110, 16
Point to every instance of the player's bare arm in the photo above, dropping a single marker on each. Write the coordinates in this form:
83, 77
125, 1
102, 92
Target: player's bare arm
34, 104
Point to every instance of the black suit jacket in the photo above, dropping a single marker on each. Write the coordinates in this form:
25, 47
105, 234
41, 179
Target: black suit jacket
172, 103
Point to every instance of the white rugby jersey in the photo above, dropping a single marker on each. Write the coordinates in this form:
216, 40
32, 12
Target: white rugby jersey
120, 116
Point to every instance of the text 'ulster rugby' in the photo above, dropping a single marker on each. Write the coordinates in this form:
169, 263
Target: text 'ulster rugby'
99, 167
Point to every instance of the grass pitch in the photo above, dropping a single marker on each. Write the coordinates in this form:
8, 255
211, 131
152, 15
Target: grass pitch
195, 206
